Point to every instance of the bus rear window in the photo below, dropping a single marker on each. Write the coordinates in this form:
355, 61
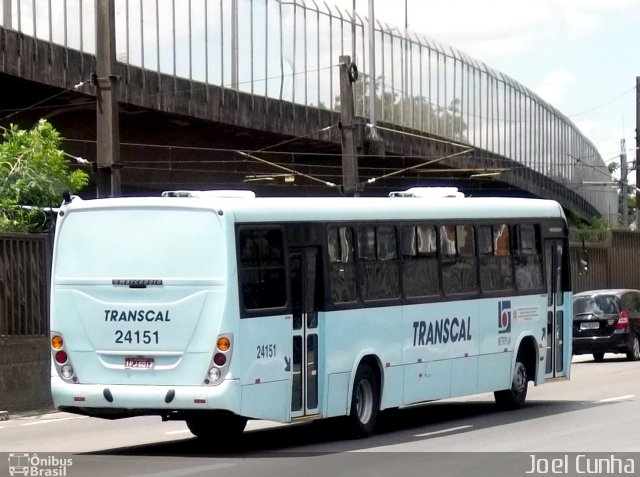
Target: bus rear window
140, 243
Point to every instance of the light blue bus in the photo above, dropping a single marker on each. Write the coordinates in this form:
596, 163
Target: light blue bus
215, 308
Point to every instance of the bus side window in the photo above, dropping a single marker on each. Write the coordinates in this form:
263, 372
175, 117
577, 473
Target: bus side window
378, 269
528, 257
494, 253
262, 269
342, 268
419, 251
459, 271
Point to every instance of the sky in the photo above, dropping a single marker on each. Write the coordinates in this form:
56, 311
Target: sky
581, 56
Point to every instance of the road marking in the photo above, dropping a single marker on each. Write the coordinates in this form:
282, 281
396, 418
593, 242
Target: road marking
177, 432
181, 472
443, 431
618, 398
46, 421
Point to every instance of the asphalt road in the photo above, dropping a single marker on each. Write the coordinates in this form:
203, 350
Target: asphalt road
597, 411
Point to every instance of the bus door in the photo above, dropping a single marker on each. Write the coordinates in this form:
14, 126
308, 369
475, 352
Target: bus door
555, 265
304, 273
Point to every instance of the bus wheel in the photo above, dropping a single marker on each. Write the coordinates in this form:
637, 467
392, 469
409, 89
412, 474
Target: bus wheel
218, 425
598, 356
634, 353
510, 399
365, 402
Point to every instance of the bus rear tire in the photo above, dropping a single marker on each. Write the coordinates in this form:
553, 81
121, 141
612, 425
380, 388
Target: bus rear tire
216, 425
514, 398
365, 403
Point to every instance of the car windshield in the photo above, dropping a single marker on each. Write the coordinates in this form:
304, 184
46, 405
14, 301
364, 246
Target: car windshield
598, 305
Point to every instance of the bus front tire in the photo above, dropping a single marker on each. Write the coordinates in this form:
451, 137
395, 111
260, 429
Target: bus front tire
514, 398
221, 425
365, 403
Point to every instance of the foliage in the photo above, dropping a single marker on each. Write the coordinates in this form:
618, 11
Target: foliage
599, 223
410, 110
34, 173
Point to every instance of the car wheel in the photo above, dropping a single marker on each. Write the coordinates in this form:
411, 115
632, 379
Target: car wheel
510, 399
634, 353
365, 402
598, 356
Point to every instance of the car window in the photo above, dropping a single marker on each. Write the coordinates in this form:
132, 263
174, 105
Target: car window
631, 303
598, 305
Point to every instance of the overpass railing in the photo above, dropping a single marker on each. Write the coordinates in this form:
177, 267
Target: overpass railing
289, 50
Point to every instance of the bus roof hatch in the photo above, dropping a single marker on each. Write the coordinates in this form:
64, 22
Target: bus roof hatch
429, 192
230, 194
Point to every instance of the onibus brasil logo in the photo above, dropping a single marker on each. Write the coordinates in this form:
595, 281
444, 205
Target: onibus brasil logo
36, 466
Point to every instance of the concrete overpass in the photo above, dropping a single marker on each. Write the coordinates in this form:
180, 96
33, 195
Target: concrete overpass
271, 91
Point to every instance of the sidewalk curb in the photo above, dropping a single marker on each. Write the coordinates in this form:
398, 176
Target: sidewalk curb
4, 416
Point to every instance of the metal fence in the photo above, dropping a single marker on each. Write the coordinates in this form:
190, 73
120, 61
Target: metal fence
288, 50
25, 262
612, 256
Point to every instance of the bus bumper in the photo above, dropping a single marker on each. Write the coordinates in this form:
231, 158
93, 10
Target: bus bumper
99, 399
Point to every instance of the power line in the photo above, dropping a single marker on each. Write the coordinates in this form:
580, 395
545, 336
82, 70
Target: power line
604, 104
34, 105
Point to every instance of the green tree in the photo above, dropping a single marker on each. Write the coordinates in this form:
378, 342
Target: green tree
409, 111
34, 173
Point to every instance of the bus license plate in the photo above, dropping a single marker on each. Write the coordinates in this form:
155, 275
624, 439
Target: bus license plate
139, 363
590, 325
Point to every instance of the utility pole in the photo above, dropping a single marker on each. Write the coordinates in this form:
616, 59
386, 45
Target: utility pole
624, 187
347, 113
106, 84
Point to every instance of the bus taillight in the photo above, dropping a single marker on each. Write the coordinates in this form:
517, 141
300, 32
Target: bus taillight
66, 371
220, 360
214, 375
57, 342
223, 344
61, 357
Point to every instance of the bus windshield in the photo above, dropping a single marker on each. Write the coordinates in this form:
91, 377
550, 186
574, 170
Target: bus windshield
140, 243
